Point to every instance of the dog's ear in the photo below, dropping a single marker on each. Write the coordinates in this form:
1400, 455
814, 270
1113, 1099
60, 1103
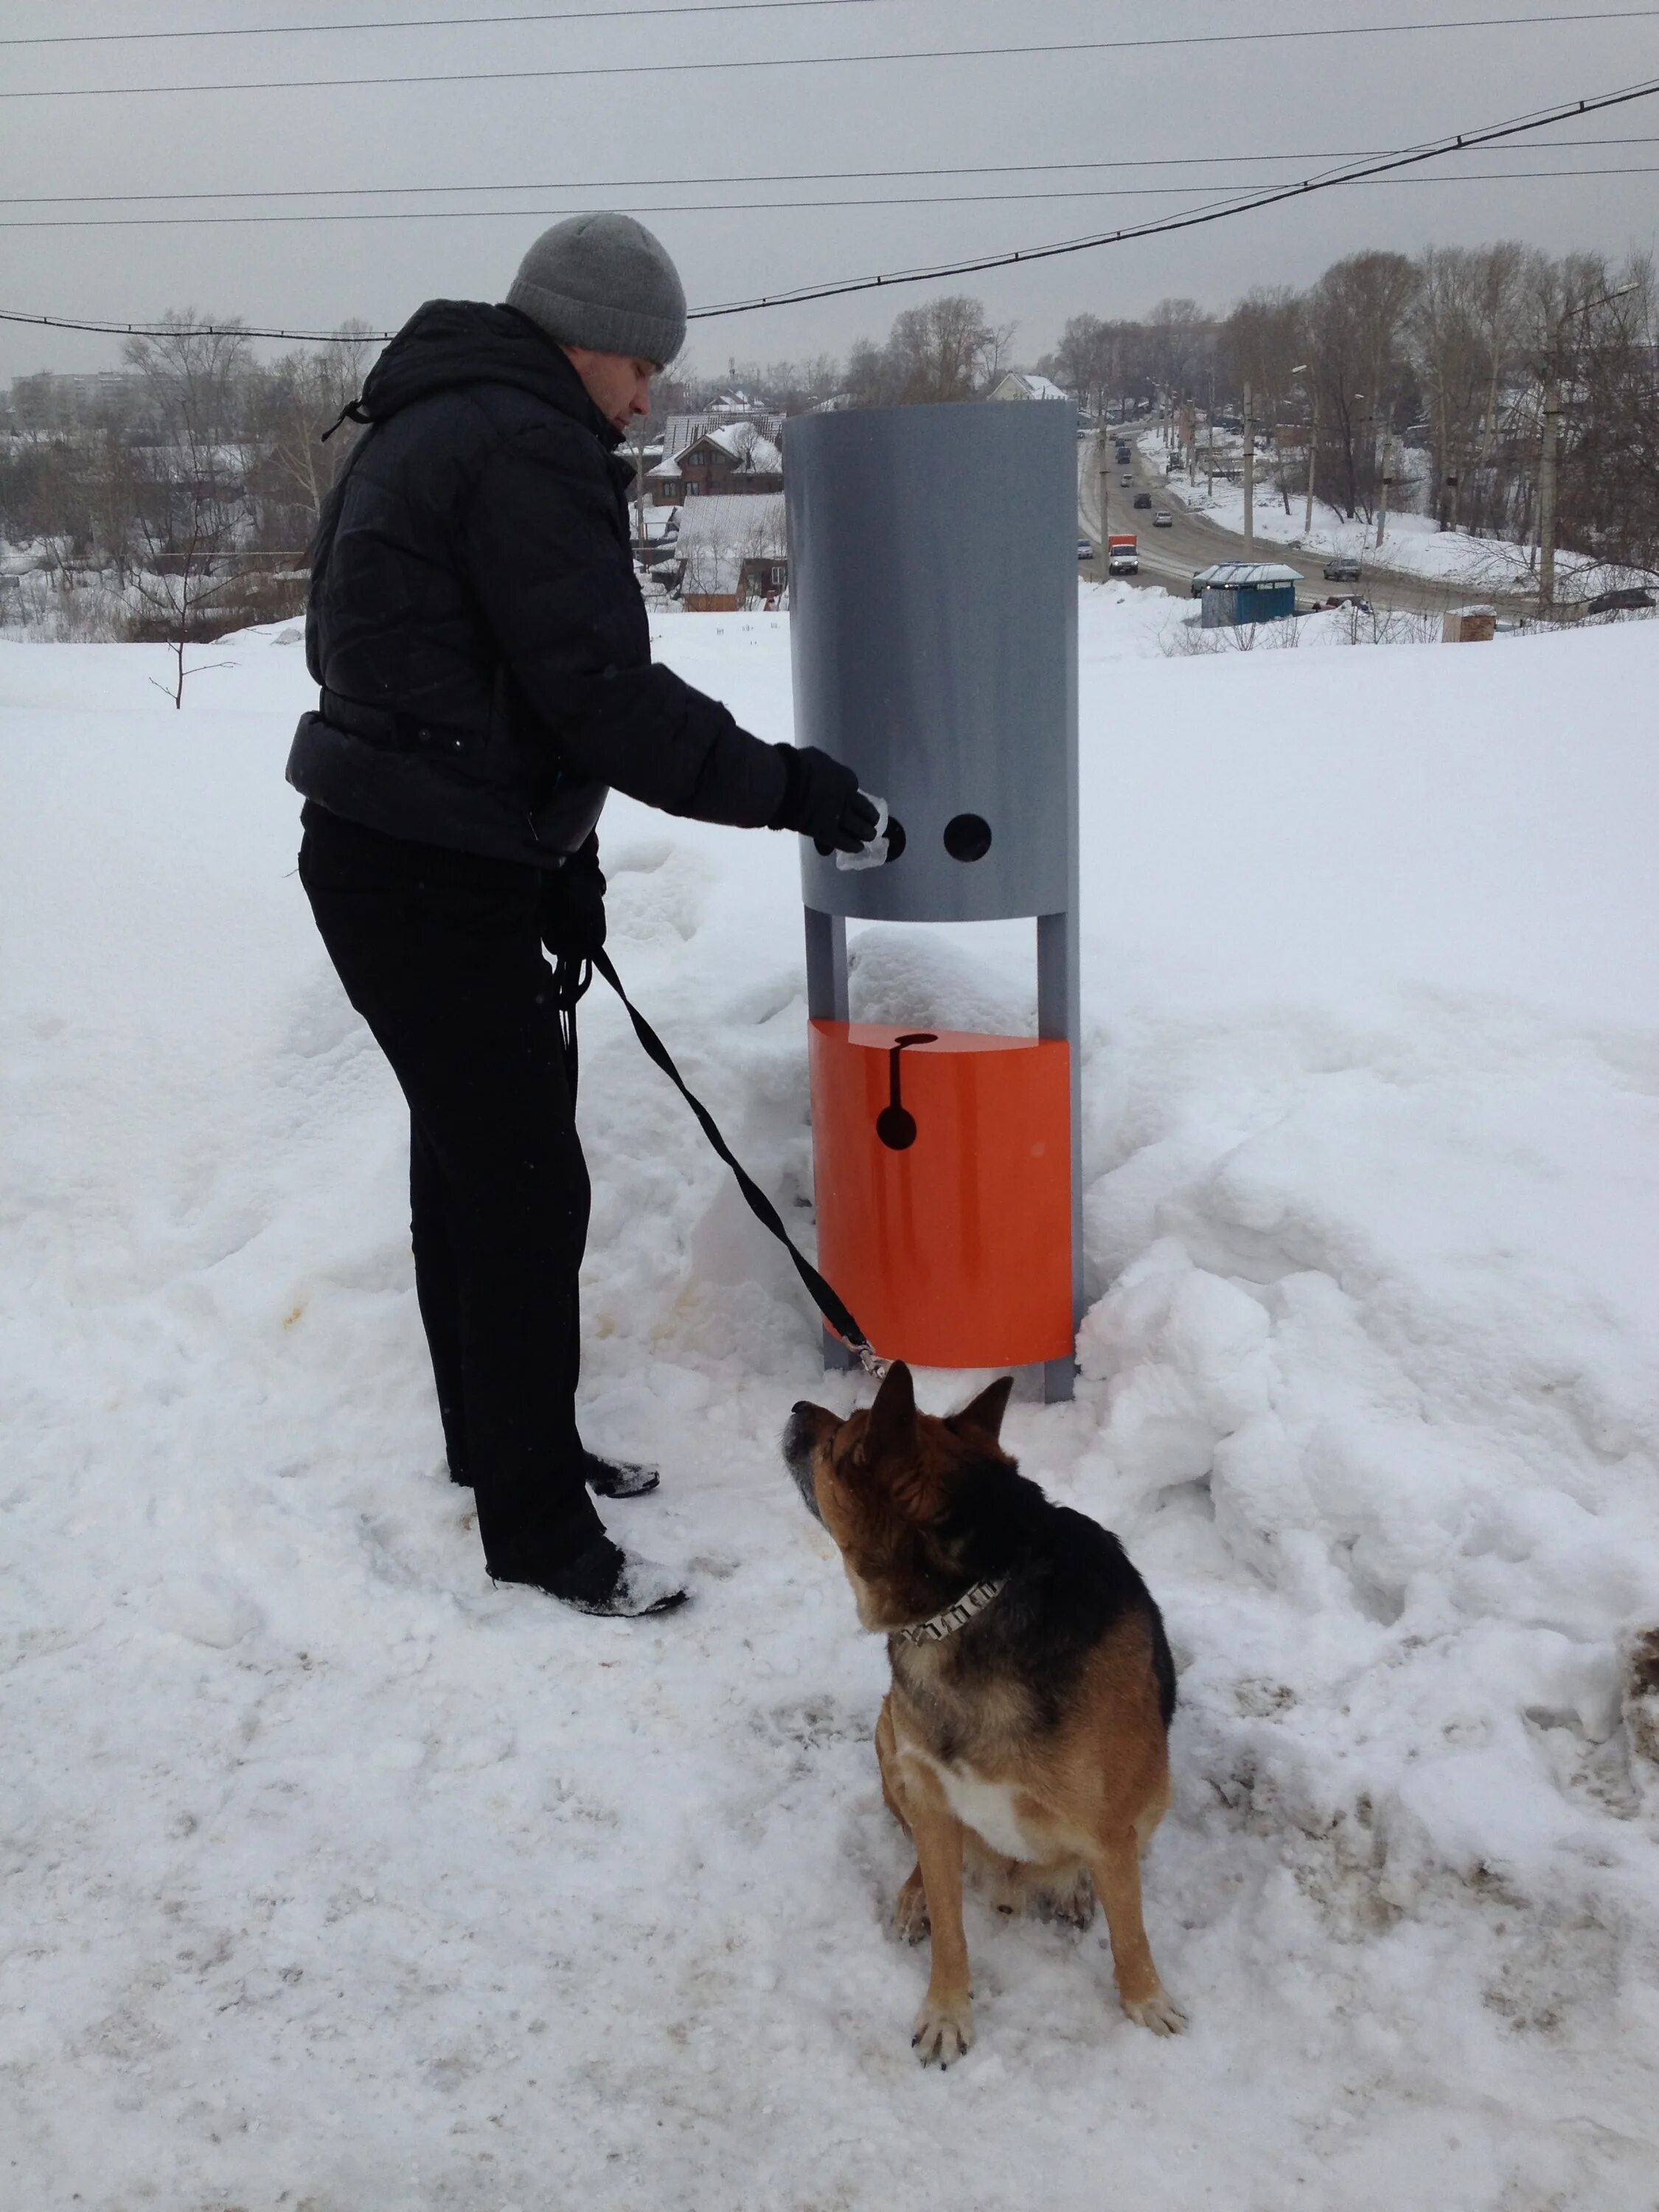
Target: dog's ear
891, 1430
895, 1450
983, 1415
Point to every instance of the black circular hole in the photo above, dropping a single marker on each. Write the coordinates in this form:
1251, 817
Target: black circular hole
967, 837
896, 1128
894, 839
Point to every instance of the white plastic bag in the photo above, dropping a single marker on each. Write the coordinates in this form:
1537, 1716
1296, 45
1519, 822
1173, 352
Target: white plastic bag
874, 854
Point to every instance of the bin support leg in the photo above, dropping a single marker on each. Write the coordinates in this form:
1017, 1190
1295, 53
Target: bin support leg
826, 1001
1060, 1015
826, 966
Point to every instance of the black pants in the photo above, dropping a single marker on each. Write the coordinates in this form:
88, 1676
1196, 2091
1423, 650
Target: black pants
440, 952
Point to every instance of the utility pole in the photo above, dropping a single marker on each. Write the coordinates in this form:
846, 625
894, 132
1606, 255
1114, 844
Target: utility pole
1547, 486
1313, 451
1249, 476
1102, 449
1383, 500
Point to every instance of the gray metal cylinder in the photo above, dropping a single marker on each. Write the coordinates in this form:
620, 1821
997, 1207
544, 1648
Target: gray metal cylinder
932, 580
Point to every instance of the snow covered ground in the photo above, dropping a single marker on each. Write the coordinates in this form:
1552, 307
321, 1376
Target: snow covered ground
338, 1880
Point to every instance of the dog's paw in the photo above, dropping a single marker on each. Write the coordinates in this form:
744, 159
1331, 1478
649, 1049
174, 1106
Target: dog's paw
1159, 2011
910, 1913
944, 2032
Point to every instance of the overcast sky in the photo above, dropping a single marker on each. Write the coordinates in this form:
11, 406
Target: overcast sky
606, 140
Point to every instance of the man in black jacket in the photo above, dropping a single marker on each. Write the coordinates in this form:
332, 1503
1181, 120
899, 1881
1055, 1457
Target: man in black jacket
477, 629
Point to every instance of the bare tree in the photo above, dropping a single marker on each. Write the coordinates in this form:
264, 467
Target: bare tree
195, 371
191, 507
1179, 346
1358, 316
1086, 362
185, 581
791, 387
1261, 343
1594, 349
945, 350
1497, 311
867, 381
298, 401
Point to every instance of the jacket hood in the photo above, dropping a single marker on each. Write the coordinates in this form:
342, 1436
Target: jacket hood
449, 344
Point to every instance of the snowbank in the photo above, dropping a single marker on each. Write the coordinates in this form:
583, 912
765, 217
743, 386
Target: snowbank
1413, 544
339, 1879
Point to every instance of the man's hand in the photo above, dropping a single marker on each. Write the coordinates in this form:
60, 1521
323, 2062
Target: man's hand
823, 801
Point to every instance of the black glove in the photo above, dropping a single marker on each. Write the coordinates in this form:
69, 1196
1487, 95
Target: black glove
572, 905
823, 801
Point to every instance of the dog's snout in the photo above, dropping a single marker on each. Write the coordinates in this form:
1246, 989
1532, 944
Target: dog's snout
800, 1437
799, 1433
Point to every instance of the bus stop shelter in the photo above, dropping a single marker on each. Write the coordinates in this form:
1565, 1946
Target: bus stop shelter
1233, 593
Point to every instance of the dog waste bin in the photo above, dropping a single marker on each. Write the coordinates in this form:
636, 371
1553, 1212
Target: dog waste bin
933, 598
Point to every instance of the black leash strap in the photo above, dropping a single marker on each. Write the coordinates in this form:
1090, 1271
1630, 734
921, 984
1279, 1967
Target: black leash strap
758, 1203
571, 978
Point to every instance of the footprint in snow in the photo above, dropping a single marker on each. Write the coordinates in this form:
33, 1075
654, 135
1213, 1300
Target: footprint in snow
206, 1609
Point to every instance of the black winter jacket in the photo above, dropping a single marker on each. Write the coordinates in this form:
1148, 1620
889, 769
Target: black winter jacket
475, 622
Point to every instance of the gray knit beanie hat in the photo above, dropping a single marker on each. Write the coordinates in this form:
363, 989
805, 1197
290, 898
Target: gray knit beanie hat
604, 281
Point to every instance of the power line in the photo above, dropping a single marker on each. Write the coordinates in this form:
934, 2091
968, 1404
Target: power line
1268, 197
827, 61
431, 23
762, 207
772, 177
1192, 219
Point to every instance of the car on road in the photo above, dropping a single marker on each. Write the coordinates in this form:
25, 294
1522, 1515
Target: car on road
1085, 551
1143, 499
1163, 519
1341, 569
1126, 480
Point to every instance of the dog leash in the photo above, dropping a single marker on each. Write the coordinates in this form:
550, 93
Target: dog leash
834, 1312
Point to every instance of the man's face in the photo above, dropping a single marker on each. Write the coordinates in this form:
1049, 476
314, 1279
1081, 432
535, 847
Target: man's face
618, 385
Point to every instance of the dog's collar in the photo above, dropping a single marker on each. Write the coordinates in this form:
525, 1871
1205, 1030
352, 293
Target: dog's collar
954, 1616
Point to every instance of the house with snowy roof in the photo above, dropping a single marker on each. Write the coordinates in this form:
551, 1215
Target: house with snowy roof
1026, 384
704, 456
732, 551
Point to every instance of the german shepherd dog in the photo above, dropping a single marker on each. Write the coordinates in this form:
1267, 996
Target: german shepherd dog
1025, 1731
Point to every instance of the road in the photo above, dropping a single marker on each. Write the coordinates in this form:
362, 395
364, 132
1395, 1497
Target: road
1169, 557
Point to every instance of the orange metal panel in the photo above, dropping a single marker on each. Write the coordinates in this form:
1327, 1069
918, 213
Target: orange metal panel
953, 1249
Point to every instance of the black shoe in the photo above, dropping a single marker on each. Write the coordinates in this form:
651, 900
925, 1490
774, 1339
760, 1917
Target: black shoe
618, 1477
606, 1579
